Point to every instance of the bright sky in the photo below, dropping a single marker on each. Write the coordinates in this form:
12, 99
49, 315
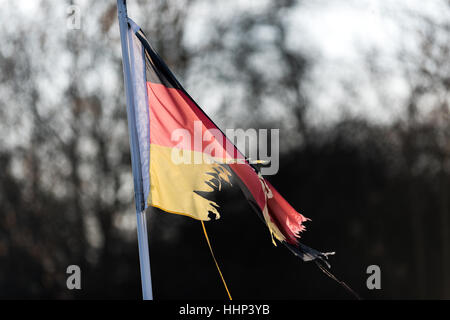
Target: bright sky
336, 34
340, 32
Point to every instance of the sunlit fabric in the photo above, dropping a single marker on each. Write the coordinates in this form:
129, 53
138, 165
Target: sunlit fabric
179, 187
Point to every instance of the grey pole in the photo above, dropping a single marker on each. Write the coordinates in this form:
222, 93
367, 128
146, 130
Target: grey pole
144, 257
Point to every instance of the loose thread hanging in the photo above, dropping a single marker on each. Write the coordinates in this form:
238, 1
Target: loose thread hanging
342, 283
215, 261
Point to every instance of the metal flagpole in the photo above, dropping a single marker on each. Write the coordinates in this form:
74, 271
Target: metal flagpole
144, 257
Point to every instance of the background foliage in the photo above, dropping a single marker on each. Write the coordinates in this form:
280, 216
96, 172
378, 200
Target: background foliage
377, 191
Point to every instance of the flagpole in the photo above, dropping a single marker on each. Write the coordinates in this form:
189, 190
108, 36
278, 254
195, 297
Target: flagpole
144, 257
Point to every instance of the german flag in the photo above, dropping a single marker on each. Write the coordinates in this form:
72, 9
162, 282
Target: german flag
177, 171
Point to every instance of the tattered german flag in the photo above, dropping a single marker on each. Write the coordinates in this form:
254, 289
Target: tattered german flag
176, 172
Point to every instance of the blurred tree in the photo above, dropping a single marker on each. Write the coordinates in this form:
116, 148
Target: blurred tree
377, 193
